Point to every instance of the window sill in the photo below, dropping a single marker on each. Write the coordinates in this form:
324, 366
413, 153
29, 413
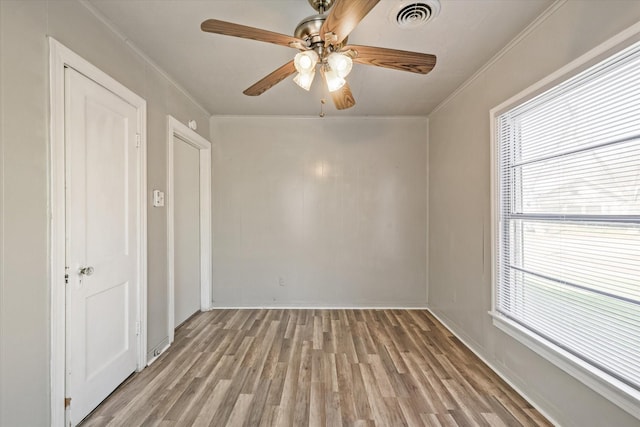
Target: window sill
610, 388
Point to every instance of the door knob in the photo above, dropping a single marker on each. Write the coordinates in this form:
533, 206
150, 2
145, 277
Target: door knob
86, 271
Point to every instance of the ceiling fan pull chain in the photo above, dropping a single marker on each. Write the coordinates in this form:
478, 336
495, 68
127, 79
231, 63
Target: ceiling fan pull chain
322, 102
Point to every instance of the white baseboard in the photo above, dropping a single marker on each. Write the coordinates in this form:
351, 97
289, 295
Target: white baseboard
467, 341
319, 307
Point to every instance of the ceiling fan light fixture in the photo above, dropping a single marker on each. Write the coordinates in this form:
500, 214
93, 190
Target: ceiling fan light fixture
321, 36
340, 63
306, 61
334, 81
304, 80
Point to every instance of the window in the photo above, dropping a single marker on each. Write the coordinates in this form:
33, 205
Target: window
567, 222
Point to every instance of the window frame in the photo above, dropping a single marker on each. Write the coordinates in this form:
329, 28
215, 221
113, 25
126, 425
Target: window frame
621, 394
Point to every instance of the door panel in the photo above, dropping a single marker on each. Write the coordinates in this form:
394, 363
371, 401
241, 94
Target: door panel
101, 203
108, 134
107, 328
187, 230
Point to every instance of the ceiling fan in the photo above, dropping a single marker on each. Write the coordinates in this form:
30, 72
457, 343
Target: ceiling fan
322, 42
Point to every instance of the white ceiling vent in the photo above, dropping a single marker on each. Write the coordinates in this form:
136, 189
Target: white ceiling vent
412, 14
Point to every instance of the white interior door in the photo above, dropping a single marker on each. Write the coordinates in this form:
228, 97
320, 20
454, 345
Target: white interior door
102, 242
186, 195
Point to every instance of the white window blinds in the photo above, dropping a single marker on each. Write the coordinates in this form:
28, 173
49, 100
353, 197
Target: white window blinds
568, 252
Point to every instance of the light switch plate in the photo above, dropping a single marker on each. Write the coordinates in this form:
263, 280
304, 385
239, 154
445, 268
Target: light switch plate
158, 198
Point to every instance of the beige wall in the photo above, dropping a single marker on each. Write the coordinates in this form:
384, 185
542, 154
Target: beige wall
336, 208
459, 189
24, 286
319, 212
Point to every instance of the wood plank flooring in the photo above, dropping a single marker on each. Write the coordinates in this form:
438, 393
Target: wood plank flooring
316, 368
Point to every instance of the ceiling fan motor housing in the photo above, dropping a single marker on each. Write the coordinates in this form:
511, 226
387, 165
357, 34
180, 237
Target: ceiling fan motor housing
309, 30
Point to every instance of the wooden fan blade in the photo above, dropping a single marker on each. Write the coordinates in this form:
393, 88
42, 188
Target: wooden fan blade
237, 30
271, 80
343, 17
342, 98
402, 60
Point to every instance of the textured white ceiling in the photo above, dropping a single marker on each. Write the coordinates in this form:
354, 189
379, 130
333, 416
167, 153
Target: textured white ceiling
215, 69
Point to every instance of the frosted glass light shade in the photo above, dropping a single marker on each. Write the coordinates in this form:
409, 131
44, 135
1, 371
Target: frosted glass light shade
306, 61
304, 80
340, 63
334, 81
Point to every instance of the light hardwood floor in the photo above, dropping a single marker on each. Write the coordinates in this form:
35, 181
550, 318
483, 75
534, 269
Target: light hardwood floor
315, 367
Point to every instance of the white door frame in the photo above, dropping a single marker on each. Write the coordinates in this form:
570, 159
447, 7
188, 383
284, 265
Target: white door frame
59, 58
178, 129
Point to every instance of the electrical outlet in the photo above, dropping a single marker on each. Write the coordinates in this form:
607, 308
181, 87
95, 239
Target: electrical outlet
281, 281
